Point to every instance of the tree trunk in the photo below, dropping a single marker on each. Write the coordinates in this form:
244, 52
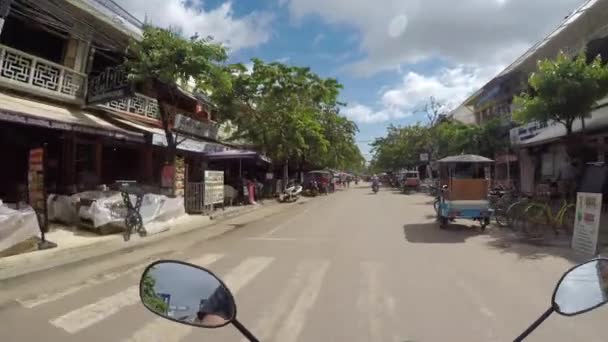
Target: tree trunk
285, 174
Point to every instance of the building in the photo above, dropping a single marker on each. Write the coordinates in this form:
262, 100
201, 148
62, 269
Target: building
537, 149
63, 88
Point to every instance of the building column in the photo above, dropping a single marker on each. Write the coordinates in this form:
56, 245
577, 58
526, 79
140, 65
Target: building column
99, 161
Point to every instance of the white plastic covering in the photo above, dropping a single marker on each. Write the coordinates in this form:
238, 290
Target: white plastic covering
111, 209
62, 208
16, 225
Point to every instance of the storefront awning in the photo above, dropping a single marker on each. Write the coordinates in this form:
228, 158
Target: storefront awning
185, 144
31, 112
237, 154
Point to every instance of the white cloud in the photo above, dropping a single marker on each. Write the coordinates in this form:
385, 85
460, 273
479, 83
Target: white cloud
449, 86
472, 32
363, 114
189, 16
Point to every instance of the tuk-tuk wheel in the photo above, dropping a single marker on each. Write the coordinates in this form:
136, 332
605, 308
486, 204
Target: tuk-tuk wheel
443, 222
484, 223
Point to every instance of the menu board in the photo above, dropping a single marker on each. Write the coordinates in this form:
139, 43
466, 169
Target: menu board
214, 187
587, 222
36, 189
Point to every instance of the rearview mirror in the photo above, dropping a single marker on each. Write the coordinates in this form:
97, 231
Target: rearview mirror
582, 288
187, 294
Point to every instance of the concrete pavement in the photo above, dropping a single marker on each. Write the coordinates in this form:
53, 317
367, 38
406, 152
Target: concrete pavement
353, 266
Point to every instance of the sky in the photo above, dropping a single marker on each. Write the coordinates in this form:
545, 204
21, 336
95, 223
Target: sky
390, 55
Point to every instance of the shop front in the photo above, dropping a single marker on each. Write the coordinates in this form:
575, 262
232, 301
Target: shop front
75, 141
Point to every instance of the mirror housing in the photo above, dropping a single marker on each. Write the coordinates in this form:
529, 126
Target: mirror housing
187, 294
582, 288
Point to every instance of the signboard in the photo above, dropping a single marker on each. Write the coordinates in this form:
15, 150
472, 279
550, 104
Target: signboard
521, 134
214, 187
167, 176
424, 157
194, 127
110, 84
587, 222
35, 186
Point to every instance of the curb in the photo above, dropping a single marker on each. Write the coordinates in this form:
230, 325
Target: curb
24, 265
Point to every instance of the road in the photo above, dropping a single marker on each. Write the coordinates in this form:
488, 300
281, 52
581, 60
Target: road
351, 266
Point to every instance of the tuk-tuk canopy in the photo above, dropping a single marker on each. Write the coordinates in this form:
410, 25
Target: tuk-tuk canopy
465, 158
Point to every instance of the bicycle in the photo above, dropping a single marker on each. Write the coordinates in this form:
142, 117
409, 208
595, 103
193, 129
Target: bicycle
515, 211
539, 215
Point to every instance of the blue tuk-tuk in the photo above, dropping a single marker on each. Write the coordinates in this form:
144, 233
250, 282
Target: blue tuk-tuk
464, 189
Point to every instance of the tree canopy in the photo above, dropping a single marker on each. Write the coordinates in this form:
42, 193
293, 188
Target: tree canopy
402, 146
287, 112
291, 114
163, 59
563, 90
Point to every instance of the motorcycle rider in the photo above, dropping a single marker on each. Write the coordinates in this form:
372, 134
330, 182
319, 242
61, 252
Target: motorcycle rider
375, 182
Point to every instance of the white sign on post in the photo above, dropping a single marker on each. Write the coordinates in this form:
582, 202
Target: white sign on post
587, 222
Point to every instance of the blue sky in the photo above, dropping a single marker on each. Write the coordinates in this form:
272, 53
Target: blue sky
390, 55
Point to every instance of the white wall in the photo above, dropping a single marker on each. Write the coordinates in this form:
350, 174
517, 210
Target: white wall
464, 115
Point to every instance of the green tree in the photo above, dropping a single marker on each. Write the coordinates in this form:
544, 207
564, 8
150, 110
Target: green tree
291, 114
563, 90
149, 295
163, 59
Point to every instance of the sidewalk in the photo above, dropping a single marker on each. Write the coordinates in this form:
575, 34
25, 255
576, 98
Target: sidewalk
78, 245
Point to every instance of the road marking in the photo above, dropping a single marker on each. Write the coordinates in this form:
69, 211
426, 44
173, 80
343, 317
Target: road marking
163, 330
294, 323
88, 315
271, 316
100, 279
93, 313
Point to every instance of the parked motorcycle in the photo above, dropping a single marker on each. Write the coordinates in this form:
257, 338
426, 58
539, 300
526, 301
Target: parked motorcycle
291, 194
581, 289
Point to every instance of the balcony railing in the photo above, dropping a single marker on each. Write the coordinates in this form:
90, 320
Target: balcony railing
138, 105
25, 72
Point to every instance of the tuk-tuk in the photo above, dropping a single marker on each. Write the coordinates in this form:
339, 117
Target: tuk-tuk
464, 189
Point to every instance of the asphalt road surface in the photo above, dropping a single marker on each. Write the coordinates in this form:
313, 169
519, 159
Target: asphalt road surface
352, 266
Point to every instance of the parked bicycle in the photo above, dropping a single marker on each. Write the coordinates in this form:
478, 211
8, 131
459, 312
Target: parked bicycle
539, 216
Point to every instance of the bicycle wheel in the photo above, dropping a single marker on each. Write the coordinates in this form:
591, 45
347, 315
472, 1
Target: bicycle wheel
501, 217
514, 214
536, 220
567, 217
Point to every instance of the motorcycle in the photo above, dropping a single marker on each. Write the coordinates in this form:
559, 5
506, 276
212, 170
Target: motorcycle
375, 187
291, 194
581, 289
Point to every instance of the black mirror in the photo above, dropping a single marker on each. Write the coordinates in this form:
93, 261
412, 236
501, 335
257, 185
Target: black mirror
582, 288
186, 294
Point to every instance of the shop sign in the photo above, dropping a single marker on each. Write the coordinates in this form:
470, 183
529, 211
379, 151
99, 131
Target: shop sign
521, 134
587, 222
194, 127
214, 187
110, 84
35, 186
